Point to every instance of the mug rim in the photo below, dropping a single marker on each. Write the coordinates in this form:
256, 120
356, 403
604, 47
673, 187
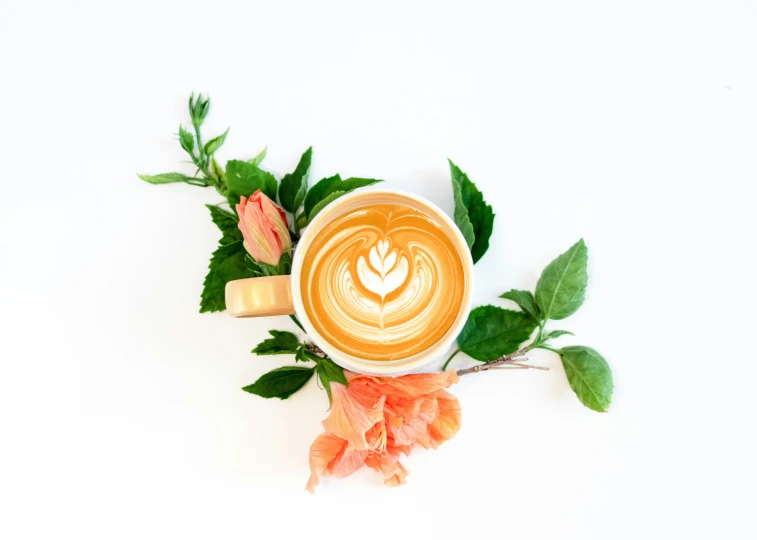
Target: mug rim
383, 367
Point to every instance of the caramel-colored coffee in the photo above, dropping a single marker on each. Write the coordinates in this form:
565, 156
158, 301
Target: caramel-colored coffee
382, 282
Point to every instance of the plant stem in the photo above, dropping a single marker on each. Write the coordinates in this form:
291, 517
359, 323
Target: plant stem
315, 349
200, 150
501, 361
444, 367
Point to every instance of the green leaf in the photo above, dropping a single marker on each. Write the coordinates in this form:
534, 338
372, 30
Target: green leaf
562, 285
525, 300
281, 383
589, 376
283, 268
227, 222
227, 263
165, 178
260, 157
296, 321
294, 185
326, 187
243, 179
302, 220
186, 139
324, 203
214, 144
303, 355
280, 343
491, 332
217, 171
329, 372
473, 216
556, 334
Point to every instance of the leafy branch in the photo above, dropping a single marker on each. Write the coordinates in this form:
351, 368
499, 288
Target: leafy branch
242, 178
285, 381
494, 335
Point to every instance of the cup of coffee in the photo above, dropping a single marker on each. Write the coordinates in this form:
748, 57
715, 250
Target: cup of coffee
381, 281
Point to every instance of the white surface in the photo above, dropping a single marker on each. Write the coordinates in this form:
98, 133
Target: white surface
632, 124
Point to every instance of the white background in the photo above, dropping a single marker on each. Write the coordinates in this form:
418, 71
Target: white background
632, 124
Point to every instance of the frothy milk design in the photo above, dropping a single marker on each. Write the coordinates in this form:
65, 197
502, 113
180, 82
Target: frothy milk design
382, 282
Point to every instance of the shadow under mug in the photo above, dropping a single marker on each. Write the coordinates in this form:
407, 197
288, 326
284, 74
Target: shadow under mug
280, 295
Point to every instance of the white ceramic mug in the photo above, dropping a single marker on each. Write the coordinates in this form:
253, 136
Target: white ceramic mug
281, 295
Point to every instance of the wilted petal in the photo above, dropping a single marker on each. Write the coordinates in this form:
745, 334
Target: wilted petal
323, 451
447, 421
354, 410
397, 476
377, 419
415, 385
347, 462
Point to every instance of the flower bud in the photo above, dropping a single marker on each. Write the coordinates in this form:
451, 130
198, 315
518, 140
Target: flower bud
264, 227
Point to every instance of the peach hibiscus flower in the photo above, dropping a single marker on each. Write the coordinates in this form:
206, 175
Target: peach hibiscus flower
374, 420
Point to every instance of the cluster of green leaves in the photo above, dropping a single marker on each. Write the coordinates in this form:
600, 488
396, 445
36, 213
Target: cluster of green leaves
284, 381
241, 178
473, 216
492, 332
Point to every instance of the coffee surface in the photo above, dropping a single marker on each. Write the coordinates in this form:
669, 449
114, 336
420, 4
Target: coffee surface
382, 282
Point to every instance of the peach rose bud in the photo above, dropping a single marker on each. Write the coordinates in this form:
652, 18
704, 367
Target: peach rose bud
264, 227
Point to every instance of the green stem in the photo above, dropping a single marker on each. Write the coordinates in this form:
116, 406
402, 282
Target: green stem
539, 333
200, 150
444, 367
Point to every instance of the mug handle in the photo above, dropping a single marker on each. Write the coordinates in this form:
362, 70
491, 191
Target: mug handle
260, 296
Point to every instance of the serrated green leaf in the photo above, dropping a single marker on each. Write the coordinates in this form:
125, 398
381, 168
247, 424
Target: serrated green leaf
329, 372
473, 216
280, 343
243, 179
186, 139
281, 383
525, 300
227, 263
165, 178
556, 334
589, 376
294, 185
491, 332
324, 188
260, 157
561, 288
214, 144
227, 222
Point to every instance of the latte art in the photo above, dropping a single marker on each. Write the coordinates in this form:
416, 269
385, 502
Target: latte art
382, 282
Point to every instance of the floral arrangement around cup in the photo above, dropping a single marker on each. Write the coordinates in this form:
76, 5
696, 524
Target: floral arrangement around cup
374, 420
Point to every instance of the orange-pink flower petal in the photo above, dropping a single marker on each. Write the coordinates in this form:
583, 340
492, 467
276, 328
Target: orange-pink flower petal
374, 420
